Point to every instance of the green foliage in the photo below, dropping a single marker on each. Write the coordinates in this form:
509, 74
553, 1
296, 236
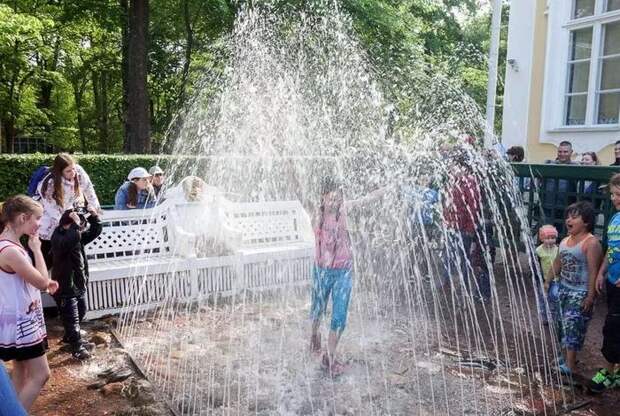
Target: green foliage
61, 76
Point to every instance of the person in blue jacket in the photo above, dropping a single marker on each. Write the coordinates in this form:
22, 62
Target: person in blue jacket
136, 192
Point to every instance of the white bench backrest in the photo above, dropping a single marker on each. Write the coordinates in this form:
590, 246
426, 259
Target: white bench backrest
129, 234
269, 223
135, 233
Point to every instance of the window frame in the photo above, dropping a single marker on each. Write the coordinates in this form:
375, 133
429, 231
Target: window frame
596, 21
567, 87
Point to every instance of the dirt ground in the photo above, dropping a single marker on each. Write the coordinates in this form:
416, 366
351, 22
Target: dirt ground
71, 390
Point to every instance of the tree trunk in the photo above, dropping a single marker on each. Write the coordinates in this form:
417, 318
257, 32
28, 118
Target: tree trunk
100, 95
78, 95
10, 133
189, 45
47, 86
125, 69
138, 121
104, 131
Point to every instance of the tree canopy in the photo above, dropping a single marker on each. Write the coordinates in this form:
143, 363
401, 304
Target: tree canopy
66, 76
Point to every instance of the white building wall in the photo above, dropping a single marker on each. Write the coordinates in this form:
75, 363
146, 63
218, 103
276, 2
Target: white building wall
552, 130
518, 73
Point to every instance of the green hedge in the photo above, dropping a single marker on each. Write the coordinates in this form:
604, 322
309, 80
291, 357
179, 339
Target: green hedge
107, 172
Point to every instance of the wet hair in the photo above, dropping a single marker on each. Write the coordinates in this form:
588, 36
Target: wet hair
615, 180
517, 152
330, 184
61, 161
583, 209
15, 206
547, 230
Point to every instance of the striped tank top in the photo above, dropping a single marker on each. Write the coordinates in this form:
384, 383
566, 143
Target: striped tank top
574, 265
21, 312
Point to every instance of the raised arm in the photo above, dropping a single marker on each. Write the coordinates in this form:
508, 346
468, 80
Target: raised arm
370, 197
93, 231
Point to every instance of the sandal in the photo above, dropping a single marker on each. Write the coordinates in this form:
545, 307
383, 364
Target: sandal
315, 343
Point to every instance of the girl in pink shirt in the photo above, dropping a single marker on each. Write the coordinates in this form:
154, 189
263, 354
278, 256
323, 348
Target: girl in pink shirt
332, 269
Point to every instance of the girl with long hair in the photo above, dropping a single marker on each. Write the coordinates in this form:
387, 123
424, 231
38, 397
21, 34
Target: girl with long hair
65, 187
23, 338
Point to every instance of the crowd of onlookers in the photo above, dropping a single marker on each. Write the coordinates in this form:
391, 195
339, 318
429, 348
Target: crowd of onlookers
576, 271
565, 155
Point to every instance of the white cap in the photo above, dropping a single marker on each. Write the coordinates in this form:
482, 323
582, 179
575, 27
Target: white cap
138, 173
154, 170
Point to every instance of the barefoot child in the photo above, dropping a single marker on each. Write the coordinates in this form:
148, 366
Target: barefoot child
22, 328
332, 269
609, 377
577, 265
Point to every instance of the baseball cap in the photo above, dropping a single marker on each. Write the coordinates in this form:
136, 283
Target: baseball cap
138, 173
155, 170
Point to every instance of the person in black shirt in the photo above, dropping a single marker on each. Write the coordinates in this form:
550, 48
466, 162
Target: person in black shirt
75, 230
616, 154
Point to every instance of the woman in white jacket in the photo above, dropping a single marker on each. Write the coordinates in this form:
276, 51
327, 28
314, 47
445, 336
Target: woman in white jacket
66, 186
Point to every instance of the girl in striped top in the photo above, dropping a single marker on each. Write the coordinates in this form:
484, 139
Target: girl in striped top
22, 329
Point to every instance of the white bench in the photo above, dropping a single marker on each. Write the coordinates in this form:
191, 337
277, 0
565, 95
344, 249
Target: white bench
145, 257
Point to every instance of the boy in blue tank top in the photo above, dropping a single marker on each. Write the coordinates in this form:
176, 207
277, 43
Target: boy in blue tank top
609, 277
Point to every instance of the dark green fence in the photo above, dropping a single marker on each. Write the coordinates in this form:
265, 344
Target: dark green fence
548, 189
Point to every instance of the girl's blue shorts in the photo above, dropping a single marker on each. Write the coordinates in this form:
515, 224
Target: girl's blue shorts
336, 282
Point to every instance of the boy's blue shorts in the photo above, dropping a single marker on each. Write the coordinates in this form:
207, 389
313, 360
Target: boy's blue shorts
338, 283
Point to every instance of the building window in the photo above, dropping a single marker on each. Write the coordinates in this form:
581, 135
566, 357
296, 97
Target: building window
592, 94
583, 8
578, 74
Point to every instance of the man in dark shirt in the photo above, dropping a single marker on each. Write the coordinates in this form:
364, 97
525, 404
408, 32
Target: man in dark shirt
556, 197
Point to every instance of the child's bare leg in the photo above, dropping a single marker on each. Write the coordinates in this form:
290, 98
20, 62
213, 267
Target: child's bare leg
332, 343
571, 360
315, 338
37, 373
18, 375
